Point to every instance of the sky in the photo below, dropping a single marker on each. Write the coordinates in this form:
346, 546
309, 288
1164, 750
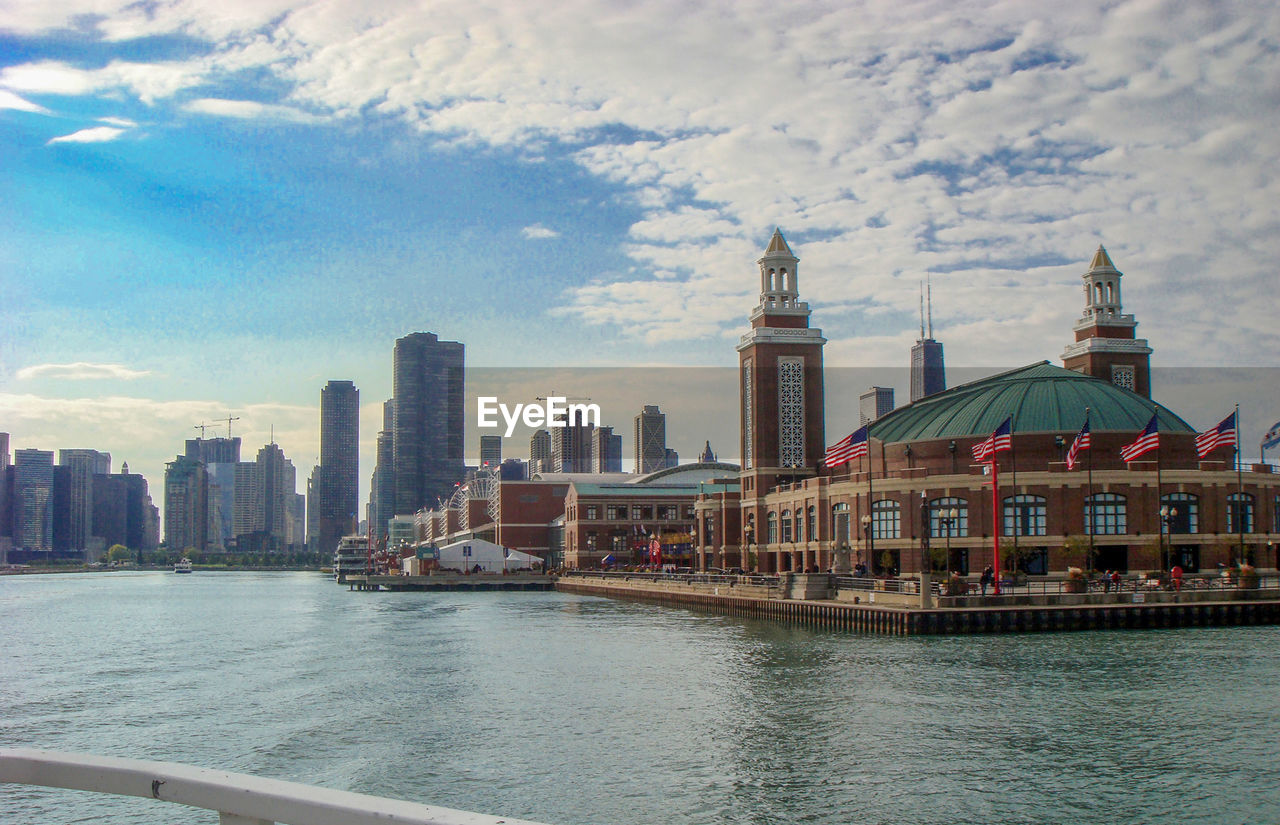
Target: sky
208, 209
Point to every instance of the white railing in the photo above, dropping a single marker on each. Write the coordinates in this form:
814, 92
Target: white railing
238, 798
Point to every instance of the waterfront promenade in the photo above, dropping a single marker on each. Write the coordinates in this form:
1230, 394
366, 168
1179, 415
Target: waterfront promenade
897, 607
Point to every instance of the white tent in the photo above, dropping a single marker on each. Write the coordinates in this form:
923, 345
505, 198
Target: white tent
492, 558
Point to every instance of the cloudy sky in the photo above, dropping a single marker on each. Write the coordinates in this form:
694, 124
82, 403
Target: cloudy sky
210, 208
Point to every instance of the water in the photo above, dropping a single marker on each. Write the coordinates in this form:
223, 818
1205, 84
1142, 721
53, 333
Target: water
573, 709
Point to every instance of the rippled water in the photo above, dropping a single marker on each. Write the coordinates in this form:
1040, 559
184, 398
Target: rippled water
572, 709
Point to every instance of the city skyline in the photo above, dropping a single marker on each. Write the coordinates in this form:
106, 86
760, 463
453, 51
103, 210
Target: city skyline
208, 214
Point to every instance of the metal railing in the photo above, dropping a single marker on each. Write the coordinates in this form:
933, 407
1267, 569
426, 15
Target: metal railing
701, 578
1129, 583
238, 798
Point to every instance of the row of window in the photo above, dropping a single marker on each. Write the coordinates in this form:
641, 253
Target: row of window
637, 512
1105, 514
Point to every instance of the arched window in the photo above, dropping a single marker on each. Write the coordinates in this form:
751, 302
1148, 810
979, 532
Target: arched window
886, 519
1026, 514
773, 528
811, 528
1240, 513
1105, 514
840, 523
1183, 512
942, 524
786, 525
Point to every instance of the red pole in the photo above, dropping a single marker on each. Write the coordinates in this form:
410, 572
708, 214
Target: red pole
995, 514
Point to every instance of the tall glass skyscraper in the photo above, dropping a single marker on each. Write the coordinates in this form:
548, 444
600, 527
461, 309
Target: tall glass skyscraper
427, 447
335, 486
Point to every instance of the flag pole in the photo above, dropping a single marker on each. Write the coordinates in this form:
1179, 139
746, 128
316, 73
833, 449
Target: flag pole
1013, 459
871, 504
1239, 483
1088, 501
995, 514
1164, 563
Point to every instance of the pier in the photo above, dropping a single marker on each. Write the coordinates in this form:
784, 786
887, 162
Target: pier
450, 582
892, 607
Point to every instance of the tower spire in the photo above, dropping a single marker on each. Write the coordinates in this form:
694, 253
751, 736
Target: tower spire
929, 288
922, 310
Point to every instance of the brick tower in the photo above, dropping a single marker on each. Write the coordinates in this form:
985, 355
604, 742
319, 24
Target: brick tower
1105, 345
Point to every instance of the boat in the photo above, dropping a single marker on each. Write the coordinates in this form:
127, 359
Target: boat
351, 558
182, 566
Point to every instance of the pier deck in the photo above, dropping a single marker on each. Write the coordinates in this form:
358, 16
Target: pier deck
452, 582
1226, 608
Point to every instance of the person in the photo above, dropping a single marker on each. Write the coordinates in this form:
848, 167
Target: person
1176, 575
1106, 582
988, 577
1115, 580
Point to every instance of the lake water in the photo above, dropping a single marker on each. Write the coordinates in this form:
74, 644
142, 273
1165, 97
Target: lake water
573, 709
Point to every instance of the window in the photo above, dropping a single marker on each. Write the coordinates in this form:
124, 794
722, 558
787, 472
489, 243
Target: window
1123, 377
615, 512
811, 529
1184, 515
1025, 513
618, 543
786, 525
688, 511
840, 523
1105, 515
941, 523
886, 519
772, 535
668, 512
593, 512
1240, 513
591, 542
641, 512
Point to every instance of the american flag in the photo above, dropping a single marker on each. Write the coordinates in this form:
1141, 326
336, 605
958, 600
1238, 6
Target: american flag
998, 441
1223, 435
852, 446
1081, 443
1147, 441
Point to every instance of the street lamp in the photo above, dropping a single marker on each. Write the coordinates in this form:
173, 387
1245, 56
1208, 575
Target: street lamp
947, 521
870, 538
1167, 516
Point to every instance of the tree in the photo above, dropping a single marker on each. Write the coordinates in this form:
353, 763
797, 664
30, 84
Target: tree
117, 553
1076, 549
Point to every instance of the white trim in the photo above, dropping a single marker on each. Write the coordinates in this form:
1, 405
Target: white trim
237, 797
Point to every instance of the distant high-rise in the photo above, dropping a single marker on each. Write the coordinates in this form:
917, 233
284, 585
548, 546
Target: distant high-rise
651, 440
490, 450
707, 455
606, 451
571, 448
382, 491
186, 504
334, 488
82, 466
427, 449
928, 375
33, 500
123, 512
215, 450
540, 452
873, 403
219, 456
670, 458
265, 502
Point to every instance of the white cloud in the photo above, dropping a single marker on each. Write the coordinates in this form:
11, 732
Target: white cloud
247, 110
123, 123
81, 371
539, 232
96, 134
8, 100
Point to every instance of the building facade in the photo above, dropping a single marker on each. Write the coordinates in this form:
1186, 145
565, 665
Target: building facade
651, 440
333, 491
429, 394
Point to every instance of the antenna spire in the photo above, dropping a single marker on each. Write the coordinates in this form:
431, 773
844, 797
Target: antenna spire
922, 310
929, 282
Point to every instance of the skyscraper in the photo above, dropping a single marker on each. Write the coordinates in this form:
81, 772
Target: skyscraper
82, 466
606, 451
334, 489
571, 448
490, 450
928, 375
540, 452
427, 448
220, 457
186, 504
33, 500
651, 440
873, 403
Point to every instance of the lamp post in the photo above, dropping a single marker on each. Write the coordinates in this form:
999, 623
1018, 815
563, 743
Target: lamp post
1167, 516
947, 521
870, 538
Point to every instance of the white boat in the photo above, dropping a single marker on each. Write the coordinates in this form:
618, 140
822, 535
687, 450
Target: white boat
183, 566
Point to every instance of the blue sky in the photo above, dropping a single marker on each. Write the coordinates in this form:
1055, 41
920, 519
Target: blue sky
211, 208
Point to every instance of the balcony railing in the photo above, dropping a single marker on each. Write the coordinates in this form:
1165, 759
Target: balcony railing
238, 798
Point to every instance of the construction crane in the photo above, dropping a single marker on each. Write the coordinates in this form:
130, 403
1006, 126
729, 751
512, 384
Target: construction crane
229, 419
202, 427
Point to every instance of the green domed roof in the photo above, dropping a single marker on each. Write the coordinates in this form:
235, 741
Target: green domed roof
1041, 398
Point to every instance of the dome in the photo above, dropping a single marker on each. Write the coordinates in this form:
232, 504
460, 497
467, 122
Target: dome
1040, 398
